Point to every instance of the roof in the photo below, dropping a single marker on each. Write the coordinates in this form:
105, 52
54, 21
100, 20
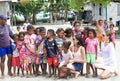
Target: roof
8, 0
116, 1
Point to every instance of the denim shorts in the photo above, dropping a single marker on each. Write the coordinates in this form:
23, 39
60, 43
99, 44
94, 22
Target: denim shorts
77, 66
5, 50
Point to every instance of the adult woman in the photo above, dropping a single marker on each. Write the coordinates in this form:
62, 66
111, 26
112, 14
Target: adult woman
106, 58
78, 51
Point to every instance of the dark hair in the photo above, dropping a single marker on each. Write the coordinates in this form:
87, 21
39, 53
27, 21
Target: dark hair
68, 31
112, 25
66, 44
99, 21
29, 27
109, 34
15, 35
93, 31
21, 34
59, 30
79, 38
42, 29
18, 27
52, 32
110, 19
76, 23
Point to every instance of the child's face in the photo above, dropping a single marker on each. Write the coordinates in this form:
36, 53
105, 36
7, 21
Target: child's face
18, 29
69, 35
31, 31
77, 26
49, 35
38, 32
91, 35
61, 34
21, 37
16, 38
43, 34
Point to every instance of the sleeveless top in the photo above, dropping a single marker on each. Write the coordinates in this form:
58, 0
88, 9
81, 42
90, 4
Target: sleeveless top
77, 55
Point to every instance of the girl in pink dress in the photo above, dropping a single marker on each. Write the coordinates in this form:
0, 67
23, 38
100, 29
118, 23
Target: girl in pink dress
30, 47
22, 53
112, 31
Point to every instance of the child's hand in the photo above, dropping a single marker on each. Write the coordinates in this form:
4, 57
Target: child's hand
71, 61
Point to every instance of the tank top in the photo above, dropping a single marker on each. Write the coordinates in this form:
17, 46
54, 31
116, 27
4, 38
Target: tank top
77, 55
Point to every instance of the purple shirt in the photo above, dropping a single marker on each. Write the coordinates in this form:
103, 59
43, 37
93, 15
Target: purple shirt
5, 34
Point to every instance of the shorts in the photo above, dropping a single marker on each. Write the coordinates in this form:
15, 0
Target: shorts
15, 61
53, 61
90, 58
5, 50
77, 66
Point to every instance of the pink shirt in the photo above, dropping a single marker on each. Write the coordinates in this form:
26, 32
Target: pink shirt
22, 51
91, 45
30, 42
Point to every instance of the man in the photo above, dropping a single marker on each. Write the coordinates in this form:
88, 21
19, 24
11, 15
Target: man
5, 48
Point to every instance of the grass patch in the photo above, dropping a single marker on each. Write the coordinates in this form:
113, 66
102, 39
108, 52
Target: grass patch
117, 32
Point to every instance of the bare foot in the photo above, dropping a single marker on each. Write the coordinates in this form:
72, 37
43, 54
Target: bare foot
77, 74
49, 76
68, 77
87, 76
30, 76
22, 76
116, 73
94, 75
2, 77
14, 75
10, 74
57, 78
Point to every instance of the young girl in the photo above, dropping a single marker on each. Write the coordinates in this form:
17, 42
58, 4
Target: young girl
91, 50
30, 48
51, 50
15, 58
66, 56
75, 65
22, 53
41, 59
59, 41
112, 31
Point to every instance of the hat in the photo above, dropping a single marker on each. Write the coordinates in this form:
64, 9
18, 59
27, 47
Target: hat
3, 17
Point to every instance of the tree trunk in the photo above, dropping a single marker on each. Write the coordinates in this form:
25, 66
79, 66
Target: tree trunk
66, 16
34, 17
51, 17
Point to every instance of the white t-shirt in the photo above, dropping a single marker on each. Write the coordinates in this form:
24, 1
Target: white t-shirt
15, 51
65, 57
25, 26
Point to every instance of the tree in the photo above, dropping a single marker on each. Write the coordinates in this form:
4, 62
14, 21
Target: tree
29, 8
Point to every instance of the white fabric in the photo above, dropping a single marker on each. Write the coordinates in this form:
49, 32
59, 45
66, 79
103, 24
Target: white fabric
106, 58
65, 58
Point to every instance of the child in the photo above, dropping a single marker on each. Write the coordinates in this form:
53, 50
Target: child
22, 53
77, 30
30, 48
91, 50
18, 30
66, 56
51, 49
69, 35
41, 59
112, 31
15, 58
85, 33
59, 41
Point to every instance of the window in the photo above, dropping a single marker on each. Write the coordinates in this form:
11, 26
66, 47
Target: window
118, 9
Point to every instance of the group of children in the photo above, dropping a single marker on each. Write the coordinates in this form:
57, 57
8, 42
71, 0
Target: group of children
39, 47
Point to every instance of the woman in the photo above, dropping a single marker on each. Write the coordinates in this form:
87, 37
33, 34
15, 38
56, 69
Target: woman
107, 59
78, 51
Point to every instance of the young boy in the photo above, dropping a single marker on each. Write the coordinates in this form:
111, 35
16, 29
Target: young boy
51, 51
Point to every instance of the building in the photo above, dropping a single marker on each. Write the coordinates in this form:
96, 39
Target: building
5, 8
